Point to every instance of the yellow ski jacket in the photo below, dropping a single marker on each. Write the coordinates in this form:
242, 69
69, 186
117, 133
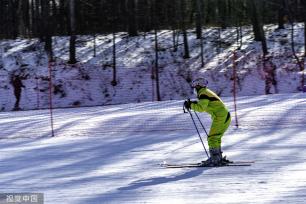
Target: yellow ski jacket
209, 102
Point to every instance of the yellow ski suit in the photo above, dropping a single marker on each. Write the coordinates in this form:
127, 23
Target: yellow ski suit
211, 103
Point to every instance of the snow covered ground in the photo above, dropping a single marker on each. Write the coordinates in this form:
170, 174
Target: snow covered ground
111, 154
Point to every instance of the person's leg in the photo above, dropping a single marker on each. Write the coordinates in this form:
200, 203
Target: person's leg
17, 96
217, 130
226, 124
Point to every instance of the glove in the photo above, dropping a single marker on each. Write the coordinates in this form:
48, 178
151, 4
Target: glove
187, 104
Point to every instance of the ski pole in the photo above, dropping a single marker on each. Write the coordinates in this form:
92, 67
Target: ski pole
195, 125
201, 123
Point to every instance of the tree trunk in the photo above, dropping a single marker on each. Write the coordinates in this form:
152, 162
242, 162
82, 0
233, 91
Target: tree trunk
40, 22
222, 13
12, 5
183, 27
132, 24
61, 16
174, 43
281, 14
3, 20
305, 36
255, 20
199, 18
23, 18
114, 81
31, 16
156, 70
35, 18
257, 24
94, 45
304, 16
156, 66
47, 29
72, 53
239, 35
199, 5
174, 23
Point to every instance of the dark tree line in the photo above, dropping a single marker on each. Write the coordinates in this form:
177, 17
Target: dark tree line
46, 18
40, 18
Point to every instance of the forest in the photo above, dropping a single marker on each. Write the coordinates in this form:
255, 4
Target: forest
46, 18
39, 18
43, 19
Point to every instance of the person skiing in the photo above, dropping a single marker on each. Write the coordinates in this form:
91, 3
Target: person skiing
17, 85
269, 70
209, 102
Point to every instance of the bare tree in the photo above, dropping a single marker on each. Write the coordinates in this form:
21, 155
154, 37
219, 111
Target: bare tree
300, 62
12, 18
254, 8
304, 18
156, 66
46, 25
114, 20
199, 17
222, 8
22, 13
182, 9
132, 24
72, 52
281, 13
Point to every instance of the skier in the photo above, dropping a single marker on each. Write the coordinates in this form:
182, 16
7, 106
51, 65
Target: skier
269, 74
210, 102
17, 85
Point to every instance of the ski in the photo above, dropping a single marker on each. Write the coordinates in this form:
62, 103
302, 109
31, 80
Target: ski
201, 166
198, 165
239, 162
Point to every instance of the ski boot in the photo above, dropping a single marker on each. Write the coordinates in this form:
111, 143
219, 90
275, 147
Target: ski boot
215, 158
226, 161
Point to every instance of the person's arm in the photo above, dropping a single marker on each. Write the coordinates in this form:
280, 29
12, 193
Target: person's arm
199, 106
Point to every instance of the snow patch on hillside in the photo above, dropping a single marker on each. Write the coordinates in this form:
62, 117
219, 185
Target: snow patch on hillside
88, 83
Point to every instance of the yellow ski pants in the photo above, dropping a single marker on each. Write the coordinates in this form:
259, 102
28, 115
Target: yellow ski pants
217, 130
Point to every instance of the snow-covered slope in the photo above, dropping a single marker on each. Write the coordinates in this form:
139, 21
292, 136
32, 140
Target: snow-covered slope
88, 83
110, 154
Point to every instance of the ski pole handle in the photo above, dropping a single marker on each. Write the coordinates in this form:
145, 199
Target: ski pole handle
184, 108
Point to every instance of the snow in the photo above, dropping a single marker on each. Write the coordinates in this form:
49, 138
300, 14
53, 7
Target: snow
111, 154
